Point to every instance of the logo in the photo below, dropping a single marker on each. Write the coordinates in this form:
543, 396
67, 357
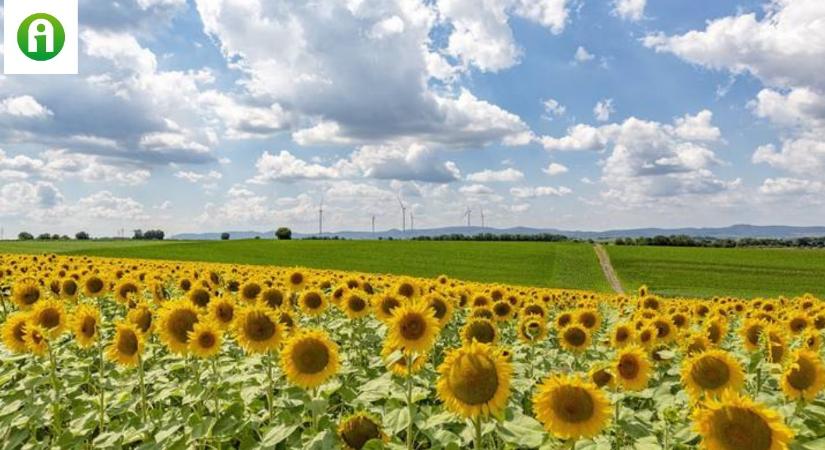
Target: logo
41, 37
46, 35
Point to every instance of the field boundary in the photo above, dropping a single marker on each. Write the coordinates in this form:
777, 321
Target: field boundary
607, 268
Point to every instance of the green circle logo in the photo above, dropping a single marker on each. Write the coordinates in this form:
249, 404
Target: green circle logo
41, 37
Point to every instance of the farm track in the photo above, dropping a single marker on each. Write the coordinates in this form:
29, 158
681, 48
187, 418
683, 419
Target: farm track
607, 268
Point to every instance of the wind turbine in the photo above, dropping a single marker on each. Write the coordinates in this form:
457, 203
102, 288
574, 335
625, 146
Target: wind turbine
482, 219
373, 225
467, 213
321, 217
412, 221
403, 214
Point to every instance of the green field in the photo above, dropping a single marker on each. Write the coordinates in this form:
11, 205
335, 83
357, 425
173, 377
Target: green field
562, 265
706, 272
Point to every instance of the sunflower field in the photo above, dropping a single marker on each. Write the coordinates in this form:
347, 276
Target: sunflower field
117, 353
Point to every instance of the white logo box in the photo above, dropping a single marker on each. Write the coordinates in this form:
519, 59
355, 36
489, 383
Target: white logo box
17, 63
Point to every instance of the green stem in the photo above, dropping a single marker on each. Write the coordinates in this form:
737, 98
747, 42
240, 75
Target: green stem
142, 388
478, 436
410, 409
216, 385
616, 414
101, 376
271, 384
56, 389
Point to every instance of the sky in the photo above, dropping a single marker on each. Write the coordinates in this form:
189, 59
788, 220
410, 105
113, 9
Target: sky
214, 115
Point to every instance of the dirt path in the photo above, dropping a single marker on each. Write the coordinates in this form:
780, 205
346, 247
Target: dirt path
607, 268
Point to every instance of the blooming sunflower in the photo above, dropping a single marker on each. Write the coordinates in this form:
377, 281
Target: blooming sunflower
14, 332
51, 315
407, 289
355, 305
737, 423
257, 329
479, 330
589, 318
69, 289
695, 342
601, 376
222, 311
571, 408
474, 380
272, 297
250, 291
503, 310
205, 339
442, 308
574, 338
413, 328
85, 325
199, 297
358, 429
711, 372
313, 302
622, 335
804, 376
632, 368
25, 294
37, 339
126, 291
309, 358
531, 329
126, 346
176, 319
384, 305
563, 320
143, 318
296, 280
94, 286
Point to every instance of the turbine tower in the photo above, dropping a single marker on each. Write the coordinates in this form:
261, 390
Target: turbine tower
403, 214
467, 213
482, 219
373, 225
412, 221
321, 217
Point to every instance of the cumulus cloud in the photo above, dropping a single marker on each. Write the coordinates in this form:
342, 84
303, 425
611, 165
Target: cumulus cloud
555, 169
60, 164
286, 167
504, 175
552, 108
791, 186
632, 10
198, 177
24, 106
539, 191
603, 110
582, 55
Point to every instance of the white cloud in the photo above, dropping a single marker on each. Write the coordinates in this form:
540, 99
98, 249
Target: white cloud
579, 138
633, 10
553, 108
286, 167
387, 27
24, 106
603, 110
791, 186
539, 191
487, 176
197, 177
26, 199
582, 55
555, 169
697, 127
476, 190
413, 163
60, 164
802, 156
105, 205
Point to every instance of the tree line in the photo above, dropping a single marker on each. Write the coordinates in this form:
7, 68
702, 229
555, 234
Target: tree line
690, 241
540, 237
84, 236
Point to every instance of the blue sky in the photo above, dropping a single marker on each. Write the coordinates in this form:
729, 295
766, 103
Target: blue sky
211, 115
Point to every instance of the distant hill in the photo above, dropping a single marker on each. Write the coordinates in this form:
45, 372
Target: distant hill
734, 232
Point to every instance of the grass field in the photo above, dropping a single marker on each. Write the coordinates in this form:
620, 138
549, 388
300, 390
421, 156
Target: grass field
705, 272
562, 265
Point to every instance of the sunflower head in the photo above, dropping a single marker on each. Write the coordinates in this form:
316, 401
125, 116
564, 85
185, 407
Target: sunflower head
199, 297
205, 339
480, 330
36, 337
85, 325
177, 319
532, 329
474, 380
14, 332
296, 280
632, 368
69, 288
804, 376
309, 358
751, 333
735, 423
257, 329
413, 328
355, 305
622, 335
602, 376
273, 297
25, 294
502, 310
51, 316
358, 429
250, 291
442, 308
589, 318
575, 338
142, 317
710, 373
222, 311
407, 289
384, 305
126, 346
313, 302
94, 286
570, 408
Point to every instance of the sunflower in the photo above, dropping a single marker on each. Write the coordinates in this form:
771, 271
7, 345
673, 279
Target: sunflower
751, 332
442, 308
358, 429
574, 338
384, 305
142, 317
205, 339
413, 328
601, 376
296, 280
69, 289
479, 330
564, 319
804, 376
94, 286
221, 310
126, 292
711, 372
14, 332
250, 291
309, 358
355, 306
313, 302
798, 323
736, 423
503, 310
37, 339
777, 342
695, 343
126, 346
51, 315
534, 308
407, 289
272, 297
286, 319
25, 294
665, 330
257, 329
397, 362
85, 325
474, 380
622, 335
199, 297
571, 408
632, 368
716, 328
176, 319
532, 329
589, 318
482, 312
812, 340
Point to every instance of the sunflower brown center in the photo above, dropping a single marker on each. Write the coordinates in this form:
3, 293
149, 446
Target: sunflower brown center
127, 343
439, 308
564, 320
413, 327
753, 333
273, 297
406, 290
70, 287
225, 312
572, 404
473, 379
258, 327
738, 428
662, 329
143, 320
181, 323
296, 278
313, 300
575, 336
622, 334
250, 291
802, 375
388, 304
88, 327
501, 309
588, 320
19, 332
798, 324
200, 297
481, 331
602, 377
710, 372
94, 285
628, 367
310, 356
356, 303
30, 295
206, 340
714, 333
49, 318
358, 430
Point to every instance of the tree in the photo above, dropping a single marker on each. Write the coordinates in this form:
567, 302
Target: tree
82, 236
283, 234
154, 235
25, 236
224, 236
138, 234
44, 237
